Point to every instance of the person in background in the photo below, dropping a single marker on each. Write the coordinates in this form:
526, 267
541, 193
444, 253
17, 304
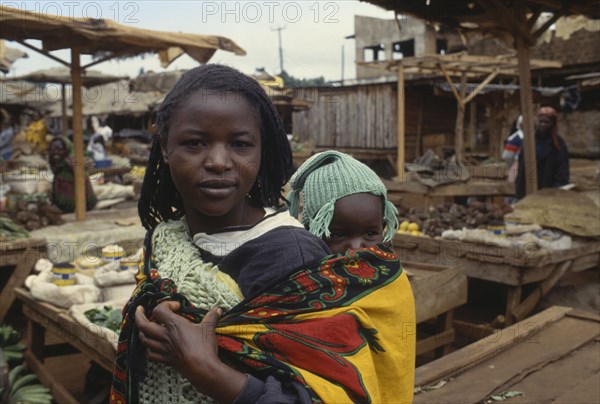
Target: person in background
510, 154
512, 147
7, 132
345, 203
102, 129
96, 147
60, 152
551, 152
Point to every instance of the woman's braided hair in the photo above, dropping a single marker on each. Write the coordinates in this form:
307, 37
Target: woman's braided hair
159, 199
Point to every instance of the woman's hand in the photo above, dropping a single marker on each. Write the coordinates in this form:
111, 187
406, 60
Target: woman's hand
189, 348
171, 339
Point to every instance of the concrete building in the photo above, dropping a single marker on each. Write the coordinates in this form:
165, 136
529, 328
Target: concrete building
379, 40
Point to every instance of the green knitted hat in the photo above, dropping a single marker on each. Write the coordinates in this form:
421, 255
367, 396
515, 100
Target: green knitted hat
328, 176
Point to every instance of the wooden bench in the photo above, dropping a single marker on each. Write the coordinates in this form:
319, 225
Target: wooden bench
438, 290
549, 357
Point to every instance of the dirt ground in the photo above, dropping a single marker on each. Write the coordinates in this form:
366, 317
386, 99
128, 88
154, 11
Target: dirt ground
579, 290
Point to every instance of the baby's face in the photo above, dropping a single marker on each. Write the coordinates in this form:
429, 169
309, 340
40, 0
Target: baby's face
357, 223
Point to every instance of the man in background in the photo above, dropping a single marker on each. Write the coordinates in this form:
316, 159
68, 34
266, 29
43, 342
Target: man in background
552, 156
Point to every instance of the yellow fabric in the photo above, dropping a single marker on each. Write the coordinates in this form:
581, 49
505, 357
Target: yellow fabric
387, 376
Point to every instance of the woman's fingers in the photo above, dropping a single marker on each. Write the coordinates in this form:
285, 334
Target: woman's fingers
212, 317
209, 323
147, 328
165, 312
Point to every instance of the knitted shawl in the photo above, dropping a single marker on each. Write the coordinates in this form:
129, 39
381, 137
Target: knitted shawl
183, 273
343, 328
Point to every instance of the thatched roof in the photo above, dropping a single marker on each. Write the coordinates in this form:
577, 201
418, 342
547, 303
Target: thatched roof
62, 75
8, 55
106, 38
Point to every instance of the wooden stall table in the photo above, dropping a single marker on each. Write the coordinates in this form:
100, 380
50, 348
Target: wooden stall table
551, 357
17, 258
424, 196
111, 171
438, 290
512, 268
44, 317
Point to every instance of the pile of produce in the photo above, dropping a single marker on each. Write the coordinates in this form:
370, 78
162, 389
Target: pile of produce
407, 227
12, 348
23, 386
10, 231
452, 216
107, 316
35, 211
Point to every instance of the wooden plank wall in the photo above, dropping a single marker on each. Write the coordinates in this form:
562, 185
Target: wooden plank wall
364, 116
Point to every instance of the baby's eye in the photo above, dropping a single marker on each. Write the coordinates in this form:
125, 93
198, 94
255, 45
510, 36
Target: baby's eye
336, 235
372, 233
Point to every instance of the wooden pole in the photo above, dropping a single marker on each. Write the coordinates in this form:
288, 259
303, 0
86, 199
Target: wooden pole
526, 106
78, 136
418, 148
472, 126
65, 118
459, 141
400, 129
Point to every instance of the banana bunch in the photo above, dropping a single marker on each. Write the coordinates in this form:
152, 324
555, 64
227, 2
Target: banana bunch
23, 389
138, 171
12, 350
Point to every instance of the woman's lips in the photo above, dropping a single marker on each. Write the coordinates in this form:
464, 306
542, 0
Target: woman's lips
217, 188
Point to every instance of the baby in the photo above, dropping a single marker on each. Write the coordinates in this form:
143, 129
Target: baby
345, 202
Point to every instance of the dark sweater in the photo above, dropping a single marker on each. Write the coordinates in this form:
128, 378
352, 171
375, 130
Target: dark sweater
257, 264
552, 165
270, 258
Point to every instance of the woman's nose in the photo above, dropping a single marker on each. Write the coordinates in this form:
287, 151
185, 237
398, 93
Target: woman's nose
218, 159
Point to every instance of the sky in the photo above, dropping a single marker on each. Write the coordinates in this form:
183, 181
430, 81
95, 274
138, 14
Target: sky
313, 33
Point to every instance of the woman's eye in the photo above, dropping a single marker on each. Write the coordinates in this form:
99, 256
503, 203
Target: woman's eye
239, 143
194, 143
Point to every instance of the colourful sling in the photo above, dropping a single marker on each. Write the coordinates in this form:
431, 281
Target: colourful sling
344, 329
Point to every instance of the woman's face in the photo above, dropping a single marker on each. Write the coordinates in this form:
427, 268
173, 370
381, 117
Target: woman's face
357, 223
545, 124
213, 151
57, 152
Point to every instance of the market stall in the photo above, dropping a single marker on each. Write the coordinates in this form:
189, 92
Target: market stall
510, 268
524, 252
44, 318
517, 23
17, 258
107, 40
62, 76
73, 239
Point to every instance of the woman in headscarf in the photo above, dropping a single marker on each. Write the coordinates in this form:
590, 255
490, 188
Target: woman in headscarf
552, 156
60, 152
